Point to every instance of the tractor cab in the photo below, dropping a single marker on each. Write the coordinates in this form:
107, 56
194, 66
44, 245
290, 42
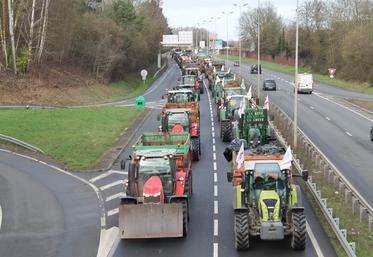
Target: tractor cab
181, 96
174, 117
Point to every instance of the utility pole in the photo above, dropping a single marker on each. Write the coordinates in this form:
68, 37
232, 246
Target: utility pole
227, 16
295, 80
259, 68
239, 39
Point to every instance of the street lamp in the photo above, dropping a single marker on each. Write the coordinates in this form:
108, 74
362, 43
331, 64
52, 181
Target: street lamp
227, 16
239, 58
216, 33
295, 80
259, 68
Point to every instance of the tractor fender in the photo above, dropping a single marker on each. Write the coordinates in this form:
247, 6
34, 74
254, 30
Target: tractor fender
178, 198
128, 200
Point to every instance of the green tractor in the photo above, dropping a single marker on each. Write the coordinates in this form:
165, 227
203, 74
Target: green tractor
266, 202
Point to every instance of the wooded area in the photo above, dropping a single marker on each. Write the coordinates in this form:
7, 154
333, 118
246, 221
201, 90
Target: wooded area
336, 33
109, 38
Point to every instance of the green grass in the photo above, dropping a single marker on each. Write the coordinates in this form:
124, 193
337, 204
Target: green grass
77, 138
353, 86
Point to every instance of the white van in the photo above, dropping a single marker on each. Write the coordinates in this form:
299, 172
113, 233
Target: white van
305, 83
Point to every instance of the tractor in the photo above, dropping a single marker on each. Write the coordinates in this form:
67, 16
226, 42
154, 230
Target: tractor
187, 120
266, 203
183, 98
158, 188
190, 82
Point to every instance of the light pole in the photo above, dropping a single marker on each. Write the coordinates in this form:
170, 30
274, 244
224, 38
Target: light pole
227, 16
259, 68
239, 54
295, 80
216, 33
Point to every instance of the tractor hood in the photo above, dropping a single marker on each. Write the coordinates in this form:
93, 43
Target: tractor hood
269, 206
153, 190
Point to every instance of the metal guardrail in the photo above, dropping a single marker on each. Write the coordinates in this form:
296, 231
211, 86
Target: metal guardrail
20, 143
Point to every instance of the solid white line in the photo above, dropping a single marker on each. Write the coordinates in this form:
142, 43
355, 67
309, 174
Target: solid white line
115, 196
1, 216
216, 227
112, 212
215, 190
315, 244
348, 133
327, 118
215, 177
216, 208
215, 251
115, 183
214, 148
104, 175
214, 156
215, 166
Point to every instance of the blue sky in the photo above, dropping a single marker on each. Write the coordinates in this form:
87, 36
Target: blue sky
182, 13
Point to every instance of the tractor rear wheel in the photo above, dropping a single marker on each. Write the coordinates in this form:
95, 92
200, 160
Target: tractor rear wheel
298, 237
226, 131
195, 148
185, 217
241, 231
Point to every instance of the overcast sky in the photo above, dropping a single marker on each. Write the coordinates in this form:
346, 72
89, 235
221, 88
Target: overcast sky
181, 13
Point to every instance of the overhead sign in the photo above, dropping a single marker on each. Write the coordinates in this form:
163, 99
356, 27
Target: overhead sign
331, 72
183, 38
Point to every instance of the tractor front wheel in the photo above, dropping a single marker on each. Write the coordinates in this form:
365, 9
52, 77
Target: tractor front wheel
241, 231
298, 237
196, 149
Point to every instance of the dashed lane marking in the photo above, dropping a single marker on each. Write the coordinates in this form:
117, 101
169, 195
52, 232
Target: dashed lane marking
327, 118
215, 167
112, 212
213, 140
348, 133
1, 216
214, 156
215, 177
115, 196
216, 227
313, 108
216, 210
213, 148
113, 184
215, 250
215, 190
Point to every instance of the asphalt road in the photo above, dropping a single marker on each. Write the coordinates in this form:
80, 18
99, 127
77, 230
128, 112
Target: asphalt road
209, 186
339, 131
45, 212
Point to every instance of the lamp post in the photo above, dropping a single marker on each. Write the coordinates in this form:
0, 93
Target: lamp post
259, 68
215, 32
239, 55
295, 80
227, 16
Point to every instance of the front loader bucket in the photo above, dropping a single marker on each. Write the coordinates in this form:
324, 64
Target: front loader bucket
150, 220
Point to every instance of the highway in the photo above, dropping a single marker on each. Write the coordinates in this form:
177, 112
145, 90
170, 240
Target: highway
340, 131
211, 222
45, 212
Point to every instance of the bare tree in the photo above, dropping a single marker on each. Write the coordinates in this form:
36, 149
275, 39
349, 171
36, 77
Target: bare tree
43, 33
11, 33
31, 35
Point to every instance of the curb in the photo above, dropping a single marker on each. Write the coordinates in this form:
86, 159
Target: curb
108, 242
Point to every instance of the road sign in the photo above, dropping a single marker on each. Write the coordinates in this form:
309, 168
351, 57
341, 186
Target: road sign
331, 72
143, 74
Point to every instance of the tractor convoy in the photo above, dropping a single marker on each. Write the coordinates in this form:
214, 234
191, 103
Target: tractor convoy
266, 202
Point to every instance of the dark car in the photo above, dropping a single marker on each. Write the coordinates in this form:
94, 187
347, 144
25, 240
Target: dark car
371, 134
236, 64
269, 84
254, 69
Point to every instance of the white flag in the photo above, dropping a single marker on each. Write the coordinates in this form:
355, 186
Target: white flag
222, 68
249, 94
229, 71
217, 80
287, 159
214, 69
240, 159
243, 84
241, 110
253, 104
266, 103
223, 82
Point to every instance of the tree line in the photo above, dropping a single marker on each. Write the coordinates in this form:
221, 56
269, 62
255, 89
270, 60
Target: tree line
107, 37
332, 33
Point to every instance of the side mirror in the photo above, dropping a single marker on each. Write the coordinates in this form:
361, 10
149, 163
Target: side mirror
229, 176
305, 175
122, 164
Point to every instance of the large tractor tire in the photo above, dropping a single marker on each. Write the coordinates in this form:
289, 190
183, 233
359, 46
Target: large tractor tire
298, 237
185, 218
241, 231
196, 149
226, 131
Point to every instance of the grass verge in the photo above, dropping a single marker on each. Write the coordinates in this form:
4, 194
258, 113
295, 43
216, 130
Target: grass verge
78, 138
353, 86
366, 104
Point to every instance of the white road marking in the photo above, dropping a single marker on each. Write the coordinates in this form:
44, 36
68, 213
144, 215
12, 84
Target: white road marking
327, 118
216, 208
213, 140
115, 196
104, 175
216, 227
212, 129
215, 177
215, 190
212, 122
1, 216
214, 148
119, 172
213, 135
348, 133
112, 212
215, 250
315, 244
312, 107
214, 156
215, 166
113, 184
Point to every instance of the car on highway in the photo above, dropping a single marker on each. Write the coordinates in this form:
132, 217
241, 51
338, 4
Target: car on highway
269, 84
236, 64
254, 69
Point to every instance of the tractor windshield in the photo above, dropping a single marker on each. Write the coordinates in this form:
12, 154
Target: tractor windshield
268, 176
193, 72
235, 102
178, 118
182, 98
187, 80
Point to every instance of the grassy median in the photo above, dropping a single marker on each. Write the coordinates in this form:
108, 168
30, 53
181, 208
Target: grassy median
77, 138
353, 86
